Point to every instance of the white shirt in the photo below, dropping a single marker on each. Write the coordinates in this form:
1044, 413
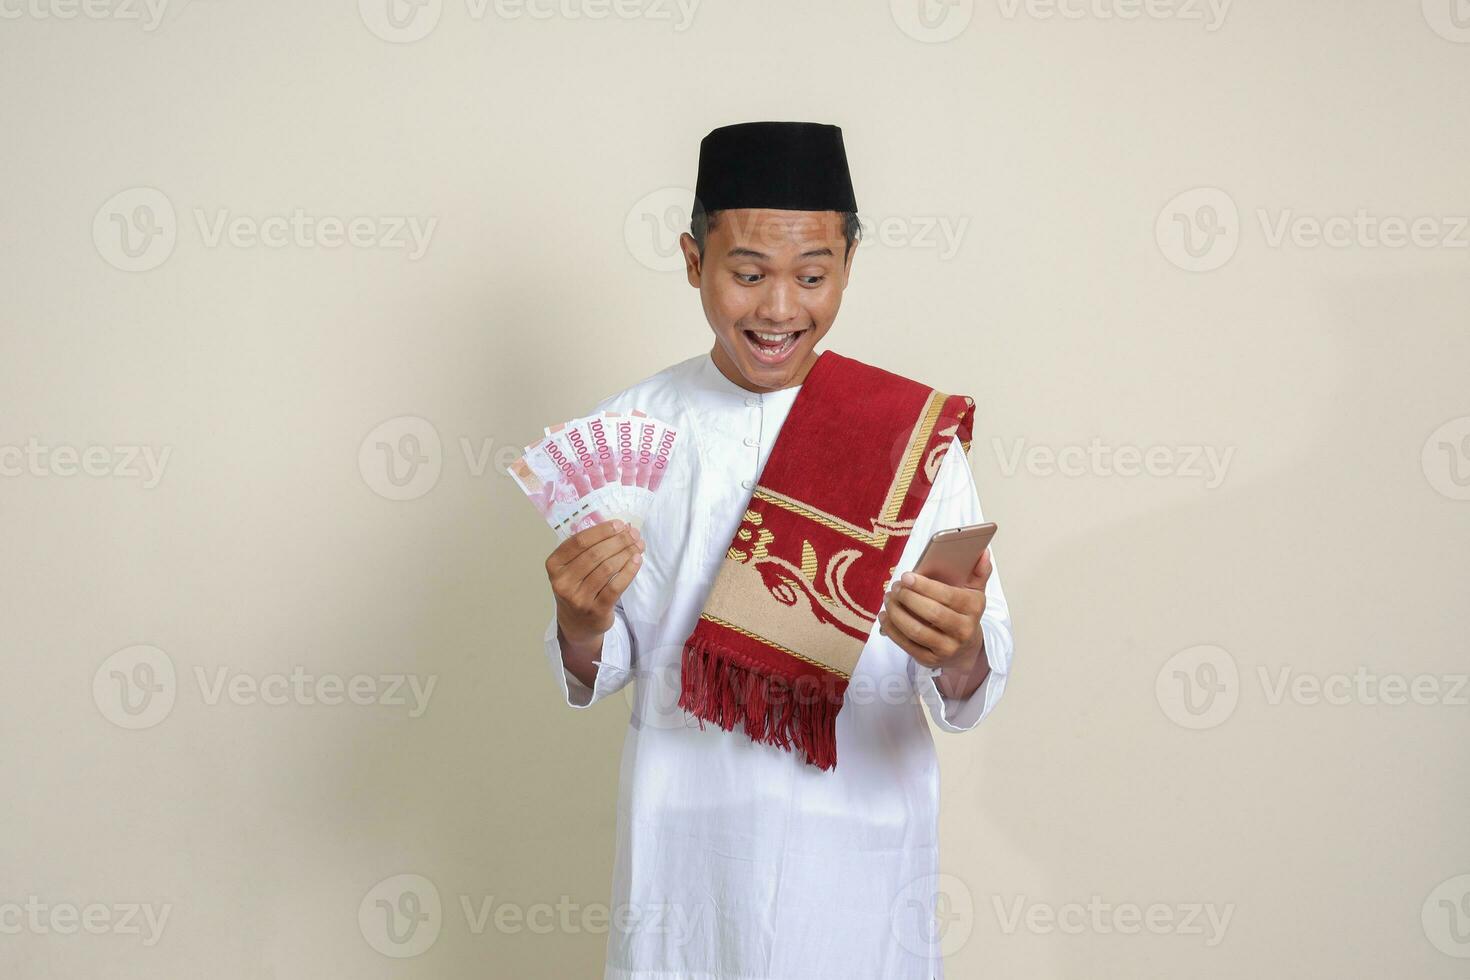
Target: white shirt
737, 860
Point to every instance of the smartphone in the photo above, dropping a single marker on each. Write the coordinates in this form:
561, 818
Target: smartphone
951, 555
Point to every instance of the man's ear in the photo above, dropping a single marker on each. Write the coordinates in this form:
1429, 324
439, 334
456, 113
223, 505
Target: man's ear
692, 262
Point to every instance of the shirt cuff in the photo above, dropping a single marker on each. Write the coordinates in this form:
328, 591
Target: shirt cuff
963, 714
613, 666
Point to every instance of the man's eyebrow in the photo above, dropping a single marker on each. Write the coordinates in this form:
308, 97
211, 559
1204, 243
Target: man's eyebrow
750, 253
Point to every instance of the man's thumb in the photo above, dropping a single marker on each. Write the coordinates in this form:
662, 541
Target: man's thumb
980, 574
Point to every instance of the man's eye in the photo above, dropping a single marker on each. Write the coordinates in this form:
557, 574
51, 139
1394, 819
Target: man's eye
751, 278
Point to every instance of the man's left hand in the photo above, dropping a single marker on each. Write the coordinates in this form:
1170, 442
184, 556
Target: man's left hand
938, 624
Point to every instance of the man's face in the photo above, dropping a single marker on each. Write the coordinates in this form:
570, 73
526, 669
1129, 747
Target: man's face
774, 273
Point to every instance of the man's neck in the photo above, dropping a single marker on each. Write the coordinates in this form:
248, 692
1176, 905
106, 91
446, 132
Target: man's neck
733, 375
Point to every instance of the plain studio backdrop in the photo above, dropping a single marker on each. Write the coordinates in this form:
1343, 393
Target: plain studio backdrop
287, 284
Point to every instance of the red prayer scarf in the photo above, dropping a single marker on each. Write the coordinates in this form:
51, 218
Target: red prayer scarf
798, 592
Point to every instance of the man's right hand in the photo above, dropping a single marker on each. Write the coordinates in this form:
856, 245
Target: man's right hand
589, 572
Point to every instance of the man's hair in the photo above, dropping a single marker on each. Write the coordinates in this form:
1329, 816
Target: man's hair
703, 222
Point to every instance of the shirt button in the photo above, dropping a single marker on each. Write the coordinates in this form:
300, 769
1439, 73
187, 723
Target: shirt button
748, 484
752, 401
752, 442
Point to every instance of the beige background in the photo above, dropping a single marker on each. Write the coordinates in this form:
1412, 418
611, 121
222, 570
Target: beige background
554, 155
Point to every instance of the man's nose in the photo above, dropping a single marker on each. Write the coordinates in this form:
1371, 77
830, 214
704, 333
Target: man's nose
779, 304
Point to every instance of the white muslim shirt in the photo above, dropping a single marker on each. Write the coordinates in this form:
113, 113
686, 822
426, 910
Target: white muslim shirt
736, 860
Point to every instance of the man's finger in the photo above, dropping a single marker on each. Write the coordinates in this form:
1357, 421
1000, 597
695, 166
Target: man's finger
620, 579
922, 654
572, 547
931, 611
949, 596
581, 566
588, 589
914, 628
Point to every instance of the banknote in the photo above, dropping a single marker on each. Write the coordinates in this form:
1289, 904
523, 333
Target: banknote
596, 468
555, 493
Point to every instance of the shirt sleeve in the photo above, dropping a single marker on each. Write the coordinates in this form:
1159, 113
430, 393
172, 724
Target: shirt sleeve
614, 665
956, 502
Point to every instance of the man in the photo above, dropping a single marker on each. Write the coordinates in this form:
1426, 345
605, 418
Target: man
796, 839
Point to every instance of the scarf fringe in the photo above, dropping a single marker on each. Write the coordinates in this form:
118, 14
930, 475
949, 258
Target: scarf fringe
721, 685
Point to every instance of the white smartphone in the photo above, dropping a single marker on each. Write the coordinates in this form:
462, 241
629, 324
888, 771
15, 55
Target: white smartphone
951, 555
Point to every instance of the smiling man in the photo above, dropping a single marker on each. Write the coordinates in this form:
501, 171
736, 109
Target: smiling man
778, 803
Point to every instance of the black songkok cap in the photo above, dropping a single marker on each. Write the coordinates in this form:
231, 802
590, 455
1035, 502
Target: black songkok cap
787, 166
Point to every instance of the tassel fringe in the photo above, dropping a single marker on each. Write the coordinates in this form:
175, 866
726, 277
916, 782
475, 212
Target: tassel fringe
720, 685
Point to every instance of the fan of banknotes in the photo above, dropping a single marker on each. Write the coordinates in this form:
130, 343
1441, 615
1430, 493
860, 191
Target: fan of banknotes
598, 468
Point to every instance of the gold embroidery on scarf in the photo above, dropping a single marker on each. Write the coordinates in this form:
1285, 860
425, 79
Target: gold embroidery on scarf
774, 645
920, 439
886, 525
746, 596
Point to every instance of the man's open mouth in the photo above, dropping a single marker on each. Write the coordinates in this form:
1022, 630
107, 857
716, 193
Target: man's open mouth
772, 348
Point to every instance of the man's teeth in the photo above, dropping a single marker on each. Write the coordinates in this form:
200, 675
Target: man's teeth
772, 338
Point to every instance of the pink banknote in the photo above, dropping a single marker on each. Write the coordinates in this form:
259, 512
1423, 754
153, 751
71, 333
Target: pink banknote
596, 468
555, 491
